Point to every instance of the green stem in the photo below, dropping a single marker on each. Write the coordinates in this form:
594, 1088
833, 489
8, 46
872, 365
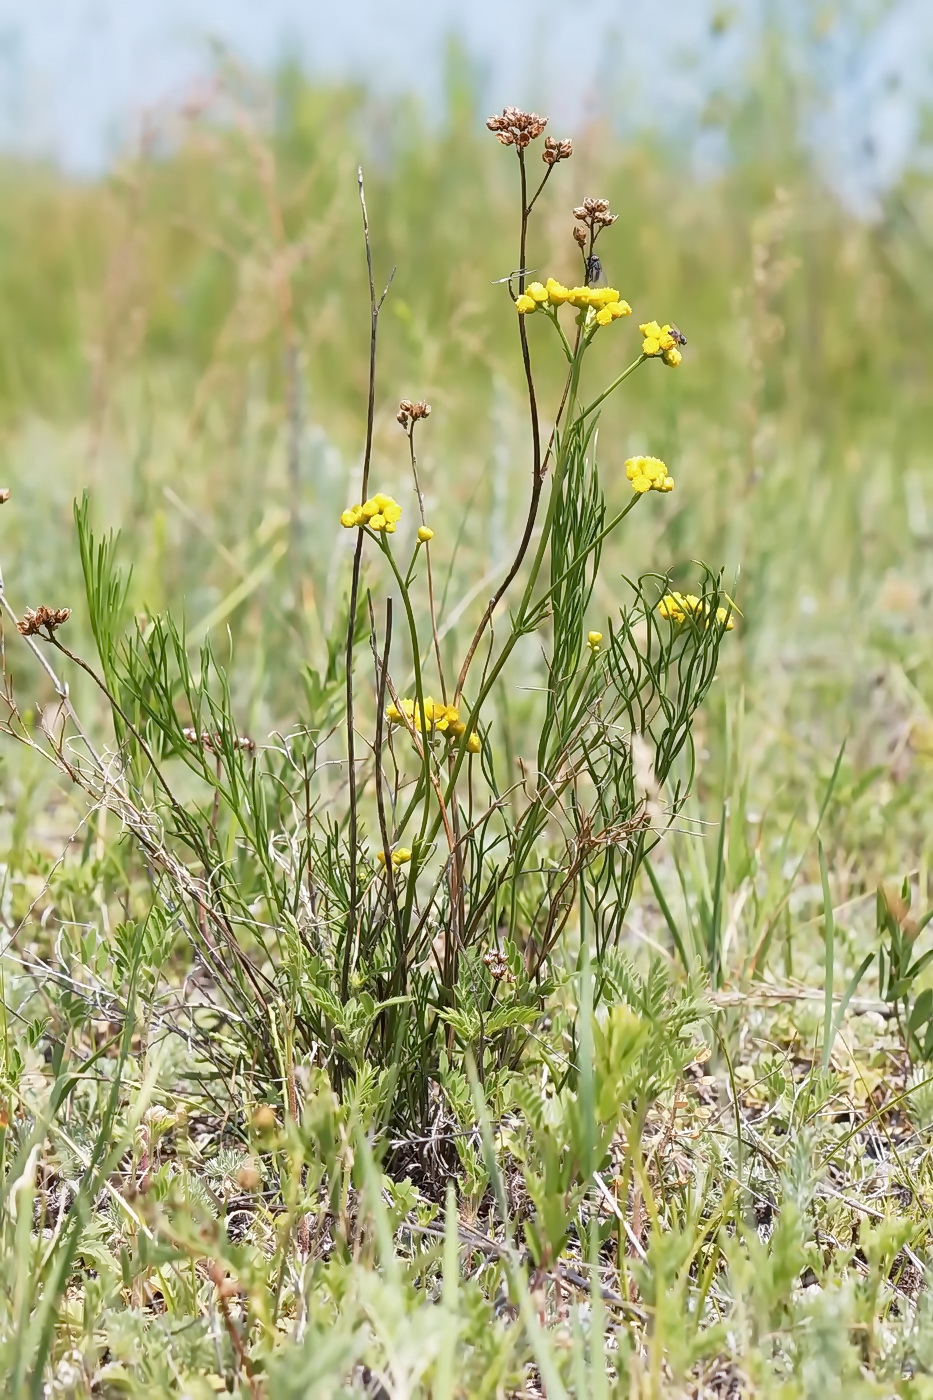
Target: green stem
555, 319
613, 386
419, 686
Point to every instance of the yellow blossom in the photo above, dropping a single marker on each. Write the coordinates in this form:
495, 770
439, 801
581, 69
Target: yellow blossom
400, 856
425, 533
379, 513
661, 340
458, 729
602, 296
537, 292
593, 640
648, 474
525, 303
434, 716
557, 293
612, 311
677, 607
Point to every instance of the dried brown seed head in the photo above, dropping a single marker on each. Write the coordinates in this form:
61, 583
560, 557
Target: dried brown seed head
42, 619
516, 128
595, 213
409, 412
580, 235
4, 495
214, 742
497, 965
555, 150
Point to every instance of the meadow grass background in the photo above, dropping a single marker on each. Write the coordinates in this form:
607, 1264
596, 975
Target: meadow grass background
186, 339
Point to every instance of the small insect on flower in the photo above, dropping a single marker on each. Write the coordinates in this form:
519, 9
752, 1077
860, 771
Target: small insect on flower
595, 276
677, 334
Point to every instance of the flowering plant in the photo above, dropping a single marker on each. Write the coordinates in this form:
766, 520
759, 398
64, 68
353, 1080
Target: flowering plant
415, 910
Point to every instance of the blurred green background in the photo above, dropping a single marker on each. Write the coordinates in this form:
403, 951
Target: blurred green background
185, 336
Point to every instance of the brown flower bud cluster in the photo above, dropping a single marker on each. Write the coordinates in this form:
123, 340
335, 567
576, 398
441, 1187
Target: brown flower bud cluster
580, 236
555, 150
214, 742
42, 619
595, 214
411, 412
517, 128
497, 965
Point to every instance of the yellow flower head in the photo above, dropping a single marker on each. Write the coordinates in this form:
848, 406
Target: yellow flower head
400, 856
557, 293
543, 296
434, 717
662, 340
677, 607
379, 513
474, 744
648, 474
605, 303
425, 533
593, 640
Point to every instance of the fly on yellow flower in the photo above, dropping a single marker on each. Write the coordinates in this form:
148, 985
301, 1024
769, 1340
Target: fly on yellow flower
664, 341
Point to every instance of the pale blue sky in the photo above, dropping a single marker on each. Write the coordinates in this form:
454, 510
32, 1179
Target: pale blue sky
75, 75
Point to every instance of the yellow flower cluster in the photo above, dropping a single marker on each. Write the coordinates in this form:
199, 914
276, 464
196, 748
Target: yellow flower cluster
662, 340
400, 856
593, 640
434, 718
605, 301
379, 513
677, 607
648, 474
